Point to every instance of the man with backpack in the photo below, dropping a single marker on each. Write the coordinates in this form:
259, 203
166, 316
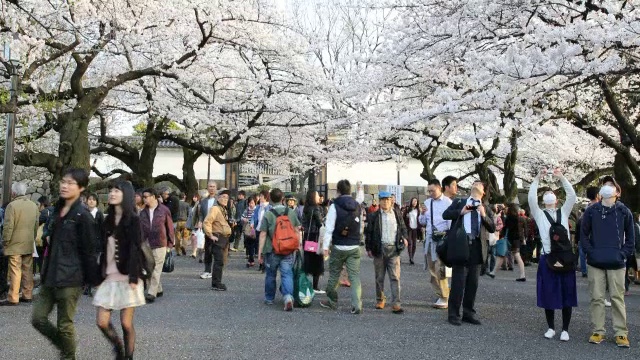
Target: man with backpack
343, 227
279, 240
608, 238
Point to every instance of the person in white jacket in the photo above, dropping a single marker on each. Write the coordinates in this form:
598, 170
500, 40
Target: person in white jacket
555, 291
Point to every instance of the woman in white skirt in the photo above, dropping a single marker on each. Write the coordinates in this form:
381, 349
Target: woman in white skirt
122, 288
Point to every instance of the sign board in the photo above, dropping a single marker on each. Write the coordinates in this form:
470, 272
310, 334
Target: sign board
397, 190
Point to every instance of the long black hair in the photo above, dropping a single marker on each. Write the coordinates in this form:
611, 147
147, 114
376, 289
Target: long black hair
411, 207
128, 208
309, 203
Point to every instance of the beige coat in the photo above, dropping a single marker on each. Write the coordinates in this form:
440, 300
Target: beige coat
20, 226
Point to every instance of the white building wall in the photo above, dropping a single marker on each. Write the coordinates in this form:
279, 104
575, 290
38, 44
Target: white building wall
385, 172
168, 160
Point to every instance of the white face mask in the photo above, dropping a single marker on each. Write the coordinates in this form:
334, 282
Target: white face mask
607, 191
549, 199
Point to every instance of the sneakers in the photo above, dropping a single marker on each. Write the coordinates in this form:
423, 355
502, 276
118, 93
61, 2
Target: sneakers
622, 341
327, 305
597, 338
607, 303
521, 279
355, 311
397, 309
233, 249
288, 304
319, 292
380, 305
564, 336
219, 287
205, 275
550, 334
441, 304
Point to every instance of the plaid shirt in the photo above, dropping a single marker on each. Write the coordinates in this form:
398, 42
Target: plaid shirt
389, 227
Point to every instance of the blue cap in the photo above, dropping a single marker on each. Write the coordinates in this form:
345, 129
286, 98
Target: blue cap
384, 195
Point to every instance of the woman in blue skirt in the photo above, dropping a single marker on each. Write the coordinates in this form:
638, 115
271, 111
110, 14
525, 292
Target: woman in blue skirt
556, 291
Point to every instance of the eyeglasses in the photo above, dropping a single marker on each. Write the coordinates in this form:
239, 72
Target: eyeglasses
68, 183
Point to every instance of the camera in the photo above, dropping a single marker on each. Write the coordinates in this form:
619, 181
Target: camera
474, 205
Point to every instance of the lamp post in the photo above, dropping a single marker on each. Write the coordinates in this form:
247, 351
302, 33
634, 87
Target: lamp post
7, 168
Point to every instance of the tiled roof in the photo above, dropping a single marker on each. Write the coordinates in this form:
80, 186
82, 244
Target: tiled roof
443, 153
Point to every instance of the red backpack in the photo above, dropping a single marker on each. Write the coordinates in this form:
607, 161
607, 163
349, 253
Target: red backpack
285, 238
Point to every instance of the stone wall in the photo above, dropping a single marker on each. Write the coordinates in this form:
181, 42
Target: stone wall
37, 180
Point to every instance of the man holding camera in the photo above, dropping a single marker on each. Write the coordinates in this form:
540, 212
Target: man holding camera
436, 227
478, 223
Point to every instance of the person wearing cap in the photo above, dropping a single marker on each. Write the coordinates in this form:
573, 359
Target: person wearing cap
608, 239
385, 236
555, 291
217, 230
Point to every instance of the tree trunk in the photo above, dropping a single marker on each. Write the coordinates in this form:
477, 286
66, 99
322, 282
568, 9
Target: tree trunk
427, 172
630, 186
492, 189
509, 180
312, 179
188, 173
73, 150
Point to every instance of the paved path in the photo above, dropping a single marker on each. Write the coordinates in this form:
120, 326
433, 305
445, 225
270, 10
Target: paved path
193, 322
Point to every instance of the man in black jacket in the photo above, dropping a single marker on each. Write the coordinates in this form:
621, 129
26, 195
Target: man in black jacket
385, 238
70, 261
477, 221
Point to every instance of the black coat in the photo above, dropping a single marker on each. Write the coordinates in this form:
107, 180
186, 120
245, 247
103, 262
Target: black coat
72, 250
486, 222
129, 254
312, 219
373, 232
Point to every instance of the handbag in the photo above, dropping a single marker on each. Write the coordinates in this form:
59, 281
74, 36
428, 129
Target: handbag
249, 231
310, 246
502, 246
169, 264
147, 260
199, 239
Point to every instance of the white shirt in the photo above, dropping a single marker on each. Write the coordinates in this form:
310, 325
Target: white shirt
467, 218
94, 212
439, 206
389, 227
538, 214
210, 202
263, 209
151, 210
329, 226
413, 219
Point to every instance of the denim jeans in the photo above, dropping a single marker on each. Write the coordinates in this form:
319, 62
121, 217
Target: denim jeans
272, 263
491, 259
583, 261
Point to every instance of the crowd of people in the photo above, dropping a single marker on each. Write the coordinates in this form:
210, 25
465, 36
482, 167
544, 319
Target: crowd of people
118, 257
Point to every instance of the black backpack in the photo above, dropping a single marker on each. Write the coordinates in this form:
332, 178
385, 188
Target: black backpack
561, 258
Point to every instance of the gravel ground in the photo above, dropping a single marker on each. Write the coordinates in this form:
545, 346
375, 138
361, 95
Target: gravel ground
193, 322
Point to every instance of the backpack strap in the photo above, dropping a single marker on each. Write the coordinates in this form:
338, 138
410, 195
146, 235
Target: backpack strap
551, 221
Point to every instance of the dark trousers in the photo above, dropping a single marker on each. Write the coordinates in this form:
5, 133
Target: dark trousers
208, 254
4, 270
220, 250
250, 247
464, 286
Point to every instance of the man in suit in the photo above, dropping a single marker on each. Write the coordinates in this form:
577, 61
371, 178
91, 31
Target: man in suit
478, 223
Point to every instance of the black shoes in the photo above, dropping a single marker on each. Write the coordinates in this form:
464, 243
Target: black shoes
160, 294
8, 303
150, 298
27, 301
219, 287
471, 320
411, 262
455, 321
521, 279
